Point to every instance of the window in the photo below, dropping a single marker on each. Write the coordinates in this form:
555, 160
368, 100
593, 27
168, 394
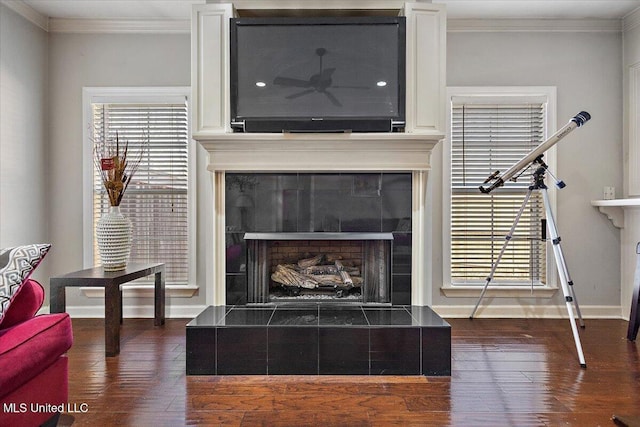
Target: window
157, 200
491, 132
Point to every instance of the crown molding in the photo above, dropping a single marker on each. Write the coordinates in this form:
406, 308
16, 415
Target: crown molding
120, 26
534, 25
631, 20
170, 26
27, 12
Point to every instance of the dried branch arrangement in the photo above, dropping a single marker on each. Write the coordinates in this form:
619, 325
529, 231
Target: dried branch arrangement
115, 164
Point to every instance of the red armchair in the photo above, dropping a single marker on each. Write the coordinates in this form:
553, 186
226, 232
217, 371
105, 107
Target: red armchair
33, 361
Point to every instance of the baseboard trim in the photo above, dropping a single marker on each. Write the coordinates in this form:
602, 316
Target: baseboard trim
528, 311
446, 311
143, 290
134, 311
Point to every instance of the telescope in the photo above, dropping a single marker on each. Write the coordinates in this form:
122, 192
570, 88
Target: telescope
499, 180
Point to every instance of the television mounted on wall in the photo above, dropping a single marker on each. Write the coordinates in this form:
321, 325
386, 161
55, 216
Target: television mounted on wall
334, 74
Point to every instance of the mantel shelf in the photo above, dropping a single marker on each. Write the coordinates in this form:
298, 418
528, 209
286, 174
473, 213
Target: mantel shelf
319, 151
614, 209
207, 139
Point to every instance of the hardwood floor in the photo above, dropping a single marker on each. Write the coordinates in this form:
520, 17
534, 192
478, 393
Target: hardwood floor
504, 373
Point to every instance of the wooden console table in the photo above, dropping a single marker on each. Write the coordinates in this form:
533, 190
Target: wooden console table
110, 281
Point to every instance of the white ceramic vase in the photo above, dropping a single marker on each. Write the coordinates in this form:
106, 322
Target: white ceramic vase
113, 233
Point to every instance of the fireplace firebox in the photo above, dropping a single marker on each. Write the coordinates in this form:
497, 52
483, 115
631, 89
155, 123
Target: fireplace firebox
317, 267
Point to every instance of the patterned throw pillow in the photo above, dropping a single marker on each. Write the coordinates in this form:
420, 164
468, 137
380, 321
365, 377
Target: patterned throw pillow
16, 265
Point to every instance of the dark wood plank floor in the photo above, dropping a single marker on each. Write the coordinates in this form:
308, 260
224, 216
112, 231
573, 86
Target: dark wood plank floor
505, 373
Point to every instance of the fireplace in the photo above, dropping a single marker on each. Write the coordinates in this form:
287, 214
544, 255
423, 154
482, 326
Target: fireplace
319, 267
230, 152
346, 182
307, 237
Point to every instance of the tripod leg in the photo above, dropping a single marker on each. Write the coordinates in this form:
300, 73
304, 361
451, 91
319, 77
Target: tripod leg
572, 290
507, 238
563, 273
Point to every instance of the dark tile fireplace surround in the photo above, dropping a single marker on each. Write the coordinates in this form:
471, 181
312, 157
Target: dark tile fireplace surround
317, 204
273, 219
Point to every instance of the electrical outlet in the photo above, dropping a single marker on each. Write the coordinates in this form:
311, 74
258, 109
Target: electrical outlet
609, 193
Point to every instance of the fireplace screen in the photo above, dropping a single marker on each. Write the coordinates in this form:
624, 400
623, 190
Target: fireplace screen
347, 267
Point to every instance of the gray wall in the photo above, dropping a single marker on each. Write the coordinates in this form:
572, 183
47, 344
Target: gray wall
631, 58
24, 166
586, 68
94, 60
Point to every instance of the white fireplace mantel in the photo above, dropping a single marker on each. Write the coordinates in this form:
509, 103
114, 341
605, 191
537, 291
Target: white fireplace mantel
407, 151
320, 152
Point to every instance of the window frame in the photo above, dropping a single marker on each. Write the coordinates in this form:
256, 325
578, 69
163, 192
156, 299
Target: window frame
92, 95
496, 95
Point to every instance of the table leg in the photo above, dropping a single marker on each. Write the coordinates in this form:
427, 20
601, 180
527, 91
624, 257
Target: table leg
112, 316
57, 296
159, 295
121, 305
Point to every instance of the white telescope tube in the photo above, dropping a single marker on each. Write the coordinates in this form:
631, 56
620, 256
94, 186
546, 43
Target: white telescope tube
577, 121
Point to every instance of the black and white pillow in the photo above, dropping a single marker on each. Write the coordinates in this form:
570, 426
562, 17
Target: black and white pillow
16, 265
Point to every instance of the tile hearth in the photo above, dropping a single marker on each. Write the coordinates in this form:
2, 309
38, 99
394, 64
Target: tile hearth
318, 339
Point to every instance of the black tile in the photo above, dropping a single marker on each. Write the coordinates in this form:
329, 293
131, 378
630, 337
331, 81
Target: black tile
389, 316
210, 317
401, 259
361, 214
347, 316
276, 211
241, 351
427, 317
235, 252
292, 350
295, 317
236, 287
297, 342
401, 289
436, 351
343, 351
276, 181
201, 351
247, 316
396, 181
396, 202
395, 351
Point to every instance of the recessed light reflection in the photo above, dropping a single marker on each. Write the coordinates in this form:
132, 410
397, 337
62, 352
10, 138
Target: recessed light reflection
381, 83
261, 84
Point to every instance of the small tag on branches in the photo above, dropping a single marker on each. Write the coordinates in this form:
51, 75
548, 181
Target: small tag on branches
107, 164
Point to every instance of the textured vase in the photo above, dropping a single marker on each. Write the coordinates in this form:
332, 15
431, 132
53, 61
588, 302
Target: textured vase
113, 233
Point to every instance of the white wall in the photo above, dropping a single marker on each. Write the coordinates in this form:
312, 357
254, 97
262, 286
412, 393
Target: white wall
79, 60
23, 139
586, 69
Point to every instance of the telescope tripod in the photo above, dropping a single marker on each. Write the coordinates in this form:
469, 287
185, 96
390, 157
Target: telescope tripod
561, 265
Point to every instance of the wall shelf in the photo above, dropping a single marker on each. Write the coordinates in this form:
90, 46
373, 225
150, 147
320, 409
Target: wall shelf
614, 209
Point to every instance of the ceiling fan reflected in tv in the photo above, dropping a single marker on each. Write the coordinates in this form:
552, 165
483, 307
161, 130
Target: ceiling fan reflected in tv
320, 82
318, 74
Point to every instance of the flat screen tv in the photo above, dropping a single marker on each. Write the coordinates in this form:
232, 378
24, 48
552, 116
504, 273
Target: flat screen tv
337, 74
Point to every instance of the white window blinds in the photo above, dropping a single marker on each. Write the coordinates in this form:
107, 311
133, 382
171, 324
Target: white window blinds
156, 199
486, 138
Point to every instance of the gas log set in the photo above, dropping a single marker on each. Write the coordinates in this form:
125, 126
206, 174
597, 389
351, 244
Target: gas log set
328, 272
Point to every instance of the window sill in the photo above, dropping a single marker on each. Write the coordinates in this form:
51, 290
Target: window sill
144, 291
462, 291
